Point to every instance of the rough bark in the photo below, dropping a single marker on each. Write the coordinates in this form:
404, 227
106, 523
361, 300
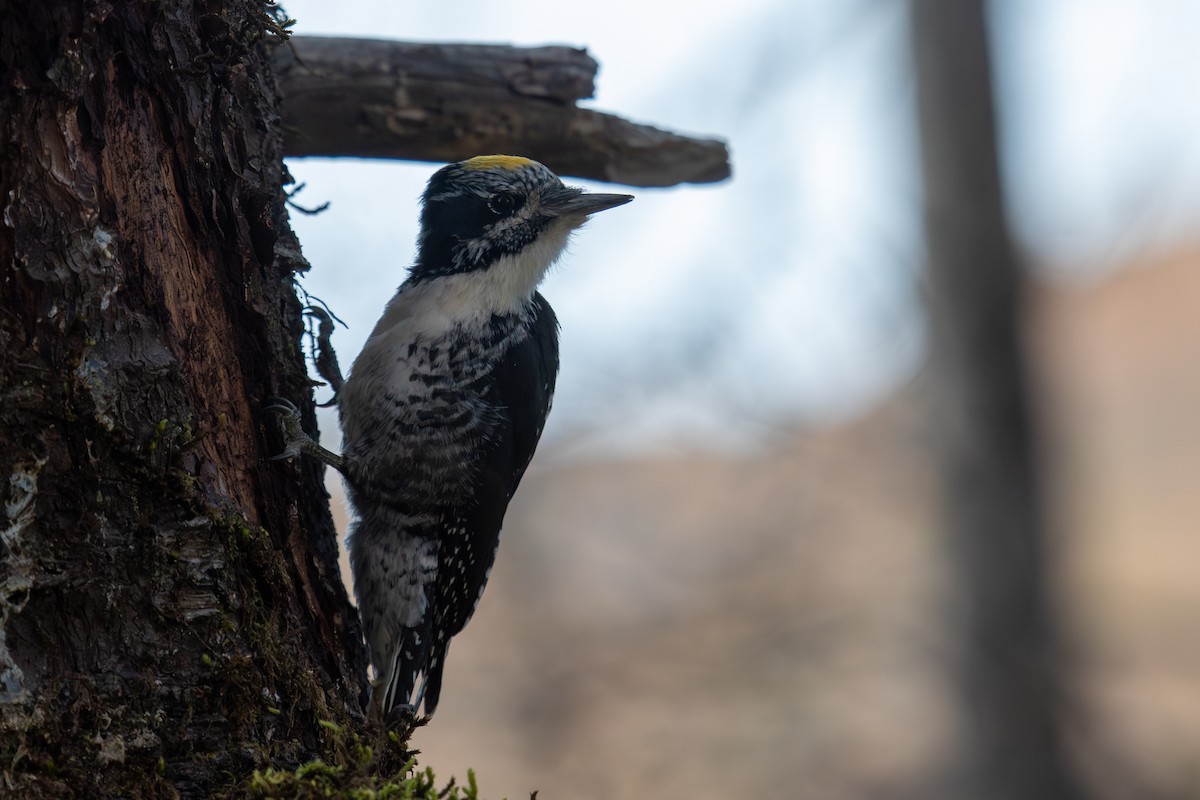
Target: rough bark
437, 102
1006, 672
171, 614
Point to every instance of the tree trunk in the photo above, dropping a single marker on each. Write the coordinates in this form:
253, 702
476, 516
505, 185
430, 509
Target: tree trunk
171, 613
1006, 673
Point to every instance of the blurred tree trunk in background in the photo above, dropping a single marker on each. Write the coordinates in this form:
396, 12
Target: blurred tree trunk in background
1007, 671
171, 612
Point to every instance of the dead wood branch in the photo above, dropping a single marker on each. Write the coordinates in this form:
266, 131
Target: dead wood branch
369, 98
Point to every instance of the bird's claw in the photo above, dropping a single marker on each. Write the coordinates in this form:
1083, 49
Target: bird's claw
281, 406
289, 421
296, 441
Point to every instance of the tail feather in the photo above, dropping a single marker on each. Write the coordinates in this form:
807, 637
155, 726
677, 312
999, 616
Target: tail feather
394, 558
394, 691
393, 687
432, 686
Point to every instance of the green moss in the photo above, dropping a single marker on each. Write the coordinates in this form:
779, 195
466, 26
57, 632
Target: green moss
359, 771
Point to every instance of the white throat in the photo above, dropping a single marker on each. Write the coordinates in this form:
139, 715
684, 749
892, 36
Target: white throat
433, 306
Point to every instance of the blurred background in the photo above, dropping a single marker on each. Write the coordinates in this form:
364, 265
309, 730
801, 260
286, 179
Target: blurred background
724, 572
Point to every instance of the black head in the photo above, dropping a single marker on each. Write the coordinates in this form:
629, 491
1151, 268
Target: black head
477, 211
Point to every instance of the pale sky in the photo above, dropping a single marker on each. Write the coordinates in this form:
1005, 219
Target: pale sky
710, 314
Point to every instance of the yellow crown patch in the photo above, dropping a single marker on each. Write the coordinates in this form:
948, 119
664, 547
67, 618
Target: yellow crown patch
496, 162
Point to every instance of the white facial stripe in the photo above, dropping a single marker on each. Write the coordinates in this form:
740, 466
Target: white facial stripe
522, 216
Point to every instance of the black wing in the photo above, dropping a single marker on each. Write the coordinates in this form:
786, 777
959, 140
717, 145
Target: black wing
521, 389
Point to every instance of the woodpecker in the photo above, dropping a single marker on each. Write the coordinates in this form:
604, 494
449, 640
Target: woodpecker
442, 411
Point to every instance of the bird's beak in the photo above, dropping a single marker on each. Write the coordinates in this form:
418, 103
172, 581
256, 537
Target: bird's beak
574, 202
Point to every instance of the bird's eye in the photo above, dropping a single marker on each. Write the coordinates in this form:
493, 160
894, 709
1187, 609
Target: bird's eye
501, 204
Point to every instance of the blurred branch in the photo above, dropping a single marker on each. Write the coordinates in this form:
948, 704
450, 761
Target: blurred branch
445, 102
986, 442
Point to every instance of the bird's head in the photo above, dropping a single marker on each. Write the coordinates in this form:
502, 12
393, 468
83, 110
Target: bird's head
503, 213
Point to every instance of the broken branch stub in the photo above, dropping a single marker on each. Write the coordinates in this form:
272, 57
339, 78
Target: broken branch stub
445, 102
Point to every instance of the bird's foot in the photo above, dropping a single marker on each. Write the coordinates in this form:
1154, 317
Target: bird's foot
294, 437
295, 441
